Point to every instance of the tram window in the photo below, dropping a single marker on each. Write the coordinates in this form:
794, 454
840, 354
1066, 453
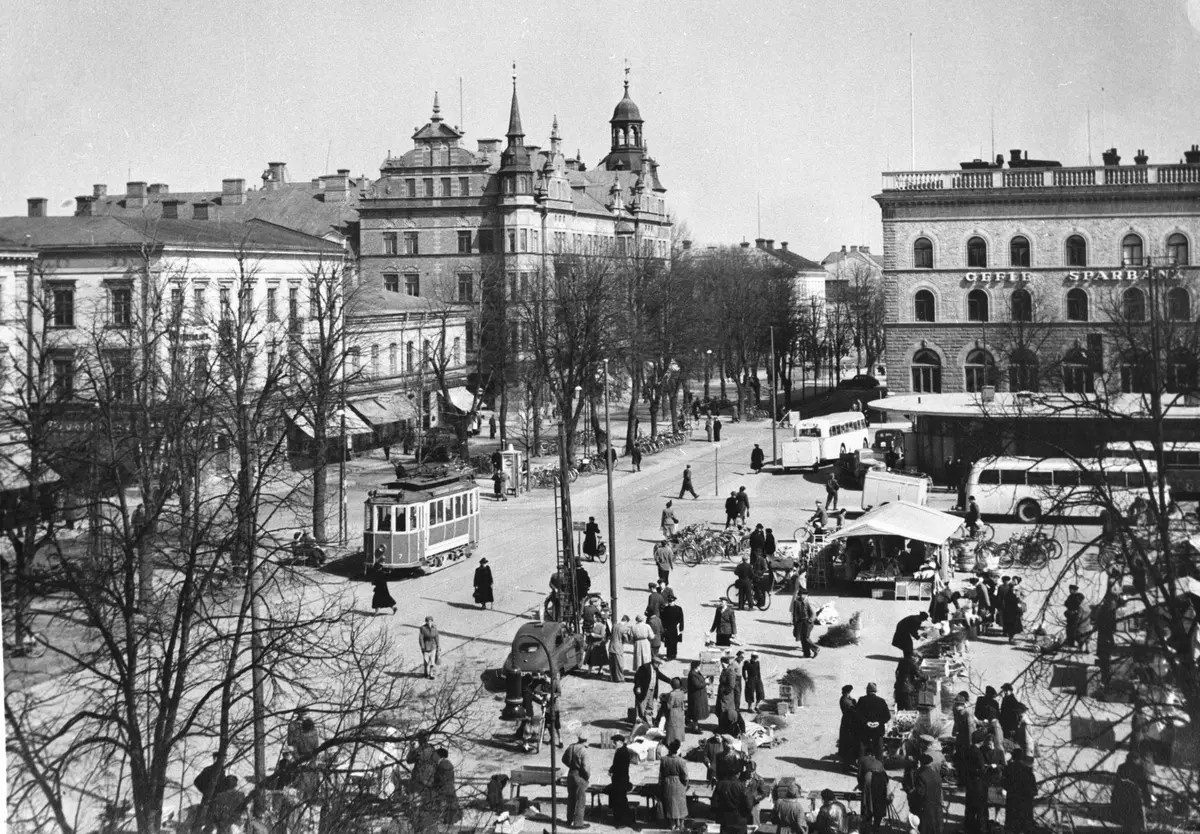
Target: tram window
383, 519
1188, 458
458, 508
1115, 479
412, 518
1039, 478
400, 517
440, 511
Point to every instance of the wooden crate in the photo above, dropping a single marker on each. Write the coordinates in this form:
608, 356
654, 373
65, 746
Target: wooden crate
901, 589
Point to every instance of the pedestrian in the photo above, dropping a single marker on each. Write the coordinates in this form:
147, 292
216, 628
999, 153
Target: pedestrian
686, 486
618, 637
873, 782
873, 717
708, 427
962, 470
591, 542
672, 623
975, 782
645, 690
744, 583
427, 640
387, 451
672, 785
307, 743
724, 625
769, 543
664, 560
611, 459
803, 618
673, 711
739, 661
909, 680
756, 459
758, 540
574, 759
445, 790
697, 694
498, 489
907, 632
1104, 621
483, 584
381, 597
641, 634
964, 724
972, 518
732, 808
925, 799
655, 600
1009, 710
656, 628
831, 491
635, 457
847, 743
1014, 606
731, 508
986, 706
407, 444
727, 711
716, 430
668, 521
752, 675
789, 813
833, 817
743, 505
620, 784
1074, 617
1020, 793
208, 782
491, 427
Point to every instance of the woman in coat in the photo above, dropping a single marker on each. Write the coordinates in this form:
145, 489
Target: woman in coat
673, 708
847, 743
483, 584
381, 597
1012, 612
590, 543
717, 430
641, 635
672, 786
697, 695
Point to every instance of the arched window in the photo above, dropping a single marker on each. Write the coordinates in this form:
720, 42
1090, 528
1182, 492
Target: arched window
977, 305
510, 186
456, 353
1076, 251
410, 357
426, 352
977, 252
1181, 372
1077, 305
1022, 370
1022, 305
1018, 251
522, 185
922, 254
923, 307
1136, 372
374, 360
393, 359
1179, 306
1133, 305
926, 373
1177, 249
980, 370
1131, 251
1077, 373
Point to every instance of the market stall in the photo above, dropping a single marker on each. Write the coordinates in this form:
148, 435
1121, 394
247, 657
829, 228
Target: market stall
875, 553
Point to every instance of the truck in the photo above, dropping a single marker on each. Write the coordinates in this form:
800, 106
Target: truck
881, 487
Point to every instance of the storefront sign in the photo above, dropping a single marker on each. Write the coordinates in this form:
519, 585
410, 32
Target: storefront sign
1109, 275
999, 276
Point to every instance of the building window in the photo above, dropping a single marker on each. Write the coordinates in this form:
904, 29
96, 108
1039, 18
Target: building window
120, 305
120, 376
1177, 250
1076, 251
926, 373
923, 306
410, 357
1018, 251
224, 303
426, 352
464, 186
1078, 377
464, 243
486, 241
1022, 370
456, 351
446, 186
977, 305
1022, 305
294, 306
533, 239
1179, 306
428, 186
470, 328
1133, 305
410, 187
1181, 372
391, 282
412, 243
62, 299
1136, 372
524, 240
391, 243
512, 240
1077, 305
923, 254
522, 185
177, 303
412, 283
63, 378
355, 356
980, 370
466, 287
1131, 251
198, 305
977, 252
393, 359
272, 304
374, 360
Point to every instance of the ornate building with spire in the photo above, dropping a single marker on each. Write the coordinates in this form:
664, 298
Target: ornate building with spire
468, 229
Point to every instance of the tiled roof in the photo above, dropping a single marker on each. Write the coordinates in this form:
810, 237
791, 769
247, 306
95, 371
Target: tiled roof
836, 255
53, 232
369, 300
795, 260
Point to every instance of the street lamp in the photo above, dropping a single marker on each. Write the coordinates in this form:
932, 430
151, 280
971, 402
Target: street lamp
707, 372
579, 396
774, 407
550, 707
612, 518
340, 413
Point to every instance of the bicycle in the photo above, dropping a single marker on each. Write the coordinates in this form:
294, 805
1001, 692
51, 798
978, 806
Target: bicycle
601, 553
31, 646
984, 532
1034, 551
765, 584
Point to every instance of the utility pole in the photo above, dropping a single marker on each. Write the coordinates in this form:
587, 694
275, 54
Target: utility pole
612, 518
774, 407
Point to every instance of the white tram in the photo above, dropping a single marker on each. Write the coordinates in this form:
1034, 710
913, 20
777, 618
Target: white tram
423, 522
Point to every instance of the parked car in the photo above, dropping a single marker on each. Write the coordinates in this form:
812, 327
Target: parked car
863, 381
568, 649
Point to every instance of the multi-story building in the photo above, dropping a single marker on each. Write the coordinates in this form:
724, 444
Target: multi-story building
808, 276
853, 267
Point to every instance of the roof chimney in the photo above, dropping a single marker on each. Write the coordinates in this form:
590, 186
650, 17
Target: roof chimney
159, 188
853, 248
1192, 157
866, 250
843, 249
759, 242
275, 175
170, 209
203, 211
37, 206
233, 192
783, 245
1141, 158
770, 244
99, 190
745, 244
687, 244
1111, 157
135, 195
83, 205
337, 186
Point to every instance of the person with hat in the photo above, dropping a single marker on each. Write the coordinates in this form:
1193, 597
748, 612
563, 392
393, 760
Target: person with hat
620, 784
428, 640
833, 816
739, 661
687, 483
672, 709
925, 798
743, 501
672, 785
668, 521
731, 805
752, 675
664, 560
645, 688
712, 749
909, 679
789, 814
574, 759
731, 508
1020, 793
847, 743
974, 777
986, 706
803, 618
1074, 617
654, 599
757, 456
672, 624
873, 718
697, 697
483, 584
1009, 714
873, 782
730, 762
907, 632
744, 572
724, 625
728, 716
757, 541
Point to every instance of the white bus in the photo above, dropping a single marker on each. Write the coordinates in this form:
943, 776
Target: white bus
1181, 461
1028, 488
824, 438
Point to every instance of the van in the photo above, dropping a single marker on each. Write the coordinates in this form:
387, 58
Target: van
881, 487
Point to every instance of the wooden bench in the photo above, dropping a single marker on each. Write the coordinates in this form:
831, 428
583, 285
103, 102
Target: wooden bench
530, 775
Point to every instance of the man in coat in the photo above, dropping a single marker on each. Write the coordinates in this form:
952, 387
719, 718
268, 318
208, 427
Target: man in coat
908, 682
743, 504
873, 717
697, 694
716, 430
1010, 710
620, 784
732, 807
731, 508
1074, 617
574, 759
672, 624
1020, 793
803, 618
907, 632
873, 782
664, 560
668, 521
745, 583
445, 789
925, 799
847, 743
758, 540
483, 584
724, 625
728, 717
756, 459
687, 483
975, 782
655, 600
831, 491
752, 675
986, 705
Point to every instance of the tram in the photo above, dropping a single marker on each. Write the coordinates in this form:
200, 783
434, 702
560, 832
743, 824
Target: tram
422, 522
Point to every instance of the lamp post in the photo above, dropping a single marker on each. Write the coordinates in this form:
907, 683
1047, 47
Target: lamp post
716, 470
774, 407
707, 372
579, 396
612, 518
550, 706
341, 415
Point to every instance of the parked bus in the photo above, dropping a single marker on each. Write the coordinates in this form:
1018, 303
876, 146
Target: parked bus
1028, 488
1181, 461
817, 440
424, 522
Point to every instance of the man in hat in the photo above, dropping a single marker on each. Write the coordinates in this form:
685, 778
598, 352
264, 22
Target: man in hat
668, 521
803, 617
832, 818
729, 761
1009, 710
789, 811
758, 541
745, 583
752, 675
743, 501
873, 717
1020, 792
1074, 617
687, 483
925, 799
731, 804
727, 711
664, 560
974, 776
872, 781
574, 759
620, 784
986, 705
907, 632
731, 508
655, 599
672, 624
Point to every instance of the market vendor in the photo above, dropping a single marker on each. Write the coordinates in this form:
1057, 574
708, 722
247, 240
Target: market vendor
917, 552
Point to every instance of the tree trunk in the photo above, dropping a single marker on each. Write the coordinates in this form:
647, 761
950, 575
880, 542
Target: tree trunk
503, 411
320, 483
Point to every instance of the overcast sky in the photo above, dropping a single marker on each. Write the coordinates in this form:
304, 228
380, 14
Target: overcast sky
799, 104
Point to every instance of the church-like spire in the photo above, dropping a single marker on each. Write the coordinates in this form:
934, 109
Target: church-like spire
516, 134
555, 139
437, 109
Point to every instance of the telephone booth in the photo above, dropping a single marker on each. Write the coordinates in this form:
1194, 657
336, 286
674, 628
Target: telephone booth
511, 461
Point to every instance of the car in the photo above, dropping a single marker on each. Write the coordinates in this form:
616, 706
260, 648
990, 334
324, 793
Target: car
527, 655
863, 381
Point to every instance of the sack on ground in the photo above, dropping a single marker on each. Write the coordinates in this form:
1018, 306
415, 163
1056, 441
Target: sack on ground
827, 615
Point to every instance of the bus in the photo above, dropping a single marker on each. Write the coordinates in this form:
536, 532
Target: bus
1181, 461
817, 440
421, 523
1028, 488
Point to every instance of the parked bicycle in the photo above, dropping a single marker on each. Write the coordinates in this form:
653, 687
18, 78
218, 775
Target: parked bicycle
763, 587
31, 646
1035, 550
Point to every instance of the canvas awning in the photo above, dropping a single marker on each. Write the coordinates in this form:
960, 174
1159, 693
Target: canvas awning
384, 409
903, 518
354, 424
462, 399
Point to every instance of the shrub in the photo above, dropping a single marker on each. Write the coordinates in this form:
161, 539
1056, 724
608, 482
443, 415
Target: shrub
843, 634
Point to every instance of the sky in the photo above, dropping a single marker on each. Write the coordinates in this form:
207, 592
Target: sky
782, 113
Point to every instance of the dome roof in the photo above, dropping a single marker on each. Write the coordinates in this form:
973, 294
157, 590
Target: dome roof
626, 110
